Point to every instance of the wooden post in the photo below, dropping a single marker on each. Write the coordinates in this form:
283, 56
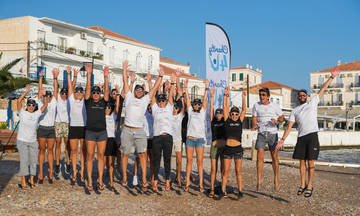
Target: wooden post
253, 151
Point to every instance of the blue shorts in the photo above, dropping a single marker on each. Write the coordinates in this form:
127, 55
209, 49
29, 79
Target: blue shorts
195, 143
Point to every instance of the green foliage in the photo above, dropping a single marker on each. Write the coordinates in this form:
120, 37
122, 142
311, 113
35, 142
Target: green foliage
3, 125
8, 83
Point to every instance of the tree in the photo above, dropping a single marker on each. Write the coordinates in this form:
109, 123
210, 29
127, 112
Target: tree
8, 83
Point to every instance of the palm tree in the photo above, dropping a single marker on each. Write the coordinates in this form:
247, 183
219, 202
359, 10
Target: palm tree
8, 83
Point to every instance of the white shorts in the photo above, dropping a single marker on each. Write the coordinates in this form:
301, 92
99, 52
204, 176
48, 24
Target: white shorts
177, 146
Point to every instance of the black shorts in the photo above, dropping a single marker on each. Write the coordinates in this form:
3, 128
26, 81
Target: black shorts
76, 132
96, 136
111, 147
149, 144
46, 132
231, 152
307, 147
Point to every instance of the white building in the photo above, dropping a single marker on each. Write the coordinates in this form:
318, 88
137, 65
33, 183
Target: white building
238, 77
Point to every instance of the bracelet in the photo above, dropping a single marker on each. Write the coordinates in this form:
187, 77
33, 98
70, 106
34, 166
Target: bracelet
68, 72
118, 92
332, 77
160, 76
207, 89
282, 139
132, 82
55, 78
172, 83
75, 76
226, 95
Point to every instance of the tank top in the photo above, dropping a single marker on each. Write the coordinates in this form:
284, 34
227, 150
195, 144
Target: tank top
218, 129
233, 129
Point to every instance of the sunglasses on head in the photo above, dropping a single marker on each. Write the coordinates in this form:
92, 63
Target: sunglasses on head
96, 92
302, 95
234, 114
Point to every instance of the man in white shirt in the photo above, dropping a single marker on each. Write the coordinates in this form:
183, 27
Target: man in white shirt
133, 135
307, 147
265, 117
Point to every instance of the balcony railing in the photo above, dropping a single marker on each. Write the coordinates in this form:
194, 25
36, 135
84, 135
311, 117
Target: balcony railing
332, 104
355, 85
355, 103
70, 50
331, 86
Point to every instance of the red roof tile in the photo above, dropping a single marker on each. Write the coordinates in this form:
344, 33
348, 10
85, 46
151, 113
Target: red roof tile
351, 66
114, 34
272, 85
240, 67
168, 71
169, 60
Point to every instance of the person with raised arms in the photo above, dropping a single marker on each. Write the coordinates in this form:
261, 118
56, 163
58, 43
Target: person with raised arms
233, 134
133, 134
195, 138
77, 117
46, 130
62, 127
26, 141
265, 118
307, 146
95, 133
162, 111
218, 141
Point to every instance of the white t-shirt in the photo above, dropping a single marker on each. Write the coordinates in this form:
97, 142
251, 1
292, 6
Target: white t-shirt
163, 118
305, 116
135, 110
28, 125
48, 117
196, 123
77, 112
149, 125
264, 115
62, 110
110, 125
176, 126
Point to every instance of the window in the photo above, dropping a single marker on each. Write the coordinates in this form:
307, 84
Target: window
320, 80
356, 80
138, 61
62, 43
41, 35
278, 101
233, 77
150, 63
357, 98
112, 54
194, 92
241, 77
90, 48
125, 55
272, 100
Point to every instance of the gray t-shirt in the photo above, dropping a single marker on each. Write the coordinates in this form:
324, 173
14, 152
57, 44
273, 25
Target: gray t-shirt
264, 114
305, 116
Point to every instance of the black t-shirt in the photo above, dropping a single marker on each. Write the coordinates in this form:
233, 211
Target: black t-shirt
121, 102
218, 129
95, 115
184, 127
233, 129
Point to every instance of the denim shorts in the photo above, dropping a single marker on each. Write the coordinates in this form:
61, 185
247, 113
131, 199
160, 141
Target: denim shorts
266, 138
97, 136
195, 143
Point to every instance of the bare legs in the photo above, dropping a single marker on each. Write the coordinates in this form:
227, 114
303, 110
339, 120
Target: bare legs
50, 149
259, 166
238, 167
199, 161
58, 150
275, 165
74, 152
214, 168
311, 172
178, 167
90, 146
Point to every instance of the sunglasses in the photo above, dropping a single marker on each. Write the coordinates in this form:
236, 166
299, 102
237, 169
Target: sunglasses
33, 105
264, 95
197, 104
219, 112
234, 114
108, 107
78, 91
302, 95
139, 89
95, 92
160, 101
63, 93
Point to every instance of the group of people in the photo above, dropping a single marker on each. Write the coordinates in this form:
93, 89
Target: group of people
152, 129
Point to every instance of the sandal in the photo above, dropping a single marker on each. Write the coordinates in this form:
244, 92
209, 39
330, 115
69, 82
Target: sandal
201, 189
40, 180
167, 187
144, 186
211, 194
32, 185
124, 183
186, 188
73, 180
308, 192
25, 187
89, 188
100, 186
301, 191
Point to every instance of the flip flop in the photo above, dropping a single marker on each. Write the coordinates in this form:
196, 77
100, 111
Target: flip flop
308, 192
25, 187
211, 194
301, 191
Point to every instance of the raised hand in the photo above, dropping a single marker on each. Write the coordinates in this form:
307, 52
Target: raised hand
76, 71
186, 83
117, 87
335, 73
27, 88
55, 72
161, 71
133, 77
88, 68
148, 77
125, 65
244, 94
106, 71
207, 83
178, 72
212, 91
226, 90
172, 78
41, 74
42, 91
68, 69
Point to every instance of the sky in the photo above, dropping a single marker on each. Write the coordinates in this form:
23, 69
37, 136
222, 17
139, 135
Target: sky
285, 39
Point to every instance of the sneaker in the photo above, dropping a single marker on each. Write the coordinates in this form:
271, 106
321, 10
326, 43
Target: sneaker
135, 181
67, 169
57, 169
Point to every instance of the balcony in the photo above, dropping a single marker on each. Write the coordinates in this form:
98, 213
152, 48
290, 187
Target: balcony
333, 86
44, 46
355, 86
355, 103
331, 104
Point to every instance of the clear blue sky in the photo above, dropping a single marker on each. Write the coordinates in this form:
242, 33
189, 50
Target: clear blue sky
286, 39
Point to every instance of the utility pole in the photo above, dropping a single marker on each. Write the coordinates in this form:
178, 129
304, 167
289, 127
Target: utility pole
28, 60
